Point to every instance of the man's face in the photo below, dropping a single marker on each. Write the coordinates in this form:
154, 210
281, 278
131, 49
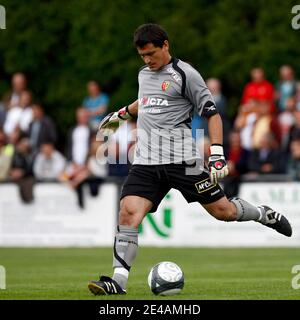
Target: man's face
155, 57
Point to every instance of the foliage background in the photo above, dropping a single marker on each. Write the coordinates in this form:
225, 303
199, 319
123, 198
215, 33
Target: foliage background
60, 45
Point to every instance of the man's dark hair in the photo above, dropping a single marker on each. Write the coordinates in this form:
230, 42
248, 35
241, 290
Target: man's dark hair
150, 33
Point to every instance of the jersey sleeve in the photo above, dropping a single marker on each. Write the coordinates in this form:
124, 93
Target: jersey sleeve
197, 91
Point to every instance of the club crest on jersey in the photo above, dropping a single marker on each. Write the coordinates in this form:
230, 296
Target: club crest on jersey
165, 85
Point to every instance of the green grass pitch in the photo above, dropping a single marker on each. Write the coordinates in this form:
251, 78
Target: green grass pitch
210, 273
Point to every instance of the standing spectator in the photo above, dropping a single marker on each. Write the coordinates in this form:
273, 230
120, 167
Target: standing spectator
79, 138
256, 91
49, 163
96, 103
215, 87
41, 129
13, 116
21, 171
18, 84
286, 87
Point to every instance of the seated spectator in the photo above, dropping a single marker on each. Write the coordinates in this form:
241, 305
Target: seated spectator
297, 95
237, 162
49, 163
96, 103
21, 170
6, 155
119, 145
79, 138
294, 132
286, 120
41, 129
18, 84
293, 167
265, 123
75, 175
2, 114
286, 87
266, 159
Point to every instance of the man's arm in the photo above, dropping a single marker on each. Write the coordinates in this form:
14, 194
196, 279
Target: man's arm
217, 164
215, 129
133, 109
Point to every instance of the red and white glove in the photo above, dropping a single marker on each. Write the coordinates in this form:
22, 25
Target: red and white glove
112, 120
217, 164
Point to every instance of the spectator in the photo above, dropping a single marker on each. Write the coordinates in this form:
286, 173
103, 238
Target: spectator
41, 129
297, 95
265, 123
215, 87
21, 171
6, 154
27, 113
256, 91
293, 167
286, 120
266, 159
96, 103
49, 163
13, 116
119, 145
2, 114
19, 84
294, 133
286, 87
19, 115
79, 138
237, 162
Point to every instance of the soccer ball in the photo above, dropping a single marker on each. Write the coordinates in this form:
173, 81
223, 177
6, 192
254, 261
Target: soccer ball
166, 278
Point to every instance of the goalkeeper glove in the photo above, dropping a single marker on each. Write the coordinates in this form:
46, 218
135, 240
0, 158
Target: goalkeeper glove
216, 163
112, 120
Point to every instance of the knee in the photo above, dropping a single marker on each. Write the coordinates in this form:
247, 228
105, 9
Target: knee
224, 213
128, 216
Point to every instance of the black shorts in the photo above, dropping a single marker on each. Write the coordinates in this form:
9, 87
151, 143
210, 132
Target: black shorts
154, 181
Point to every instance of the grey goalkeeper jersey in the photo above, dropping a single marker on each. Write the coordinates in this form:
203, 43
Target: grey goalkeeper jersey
166, 102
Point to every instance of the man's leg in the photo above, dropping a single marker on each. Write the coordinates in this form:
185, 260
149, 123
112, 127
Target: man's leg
132, 212
237, 209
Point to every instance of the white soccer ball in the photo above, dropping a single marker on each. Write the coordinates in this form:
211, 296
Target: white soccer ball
166, 278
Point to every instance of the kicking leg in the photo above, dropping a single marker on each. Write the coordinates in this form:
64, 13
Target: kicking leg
237, 209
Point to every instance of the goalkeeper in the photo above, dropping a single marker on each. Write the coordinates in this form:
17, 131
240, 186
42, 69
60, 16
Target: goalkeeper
169, 90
